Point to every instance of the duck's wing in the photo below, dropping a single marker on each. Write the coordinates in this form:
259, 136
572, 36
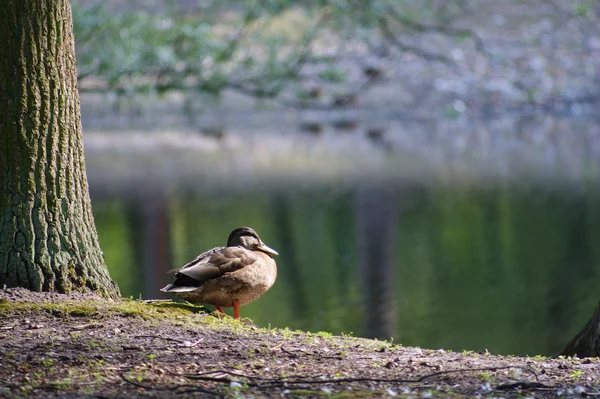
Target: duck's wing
218, 263
210, 266
198, 259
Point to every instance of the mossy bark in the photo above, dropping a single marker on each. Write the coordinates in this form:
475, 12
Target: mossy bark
587, 342
48, 239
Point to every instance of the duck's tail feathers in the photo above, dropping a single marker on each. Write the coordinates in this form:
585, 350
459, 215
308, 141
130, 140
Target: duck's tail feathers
174, 288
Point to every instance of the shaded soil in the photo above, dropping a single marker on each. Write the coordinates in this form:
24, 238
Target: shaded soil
80, 345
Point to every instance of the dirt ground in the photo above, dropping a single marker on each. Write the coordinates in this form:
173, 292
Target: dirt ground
79, 345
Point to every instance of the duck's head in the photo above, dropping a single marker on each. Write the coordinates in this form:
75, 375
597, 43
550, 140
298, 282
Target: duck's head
247, 238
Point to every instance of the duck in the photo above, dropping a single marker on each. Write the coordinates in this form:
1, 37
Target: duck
230, 276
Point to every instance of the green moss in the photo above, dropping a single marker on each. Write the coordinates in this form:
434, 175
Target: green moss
152, 312
99, 308
183, 315
539, 358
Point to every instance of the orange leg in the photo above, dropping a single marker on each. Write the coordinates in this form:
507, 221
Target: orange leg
219, 309
236, 310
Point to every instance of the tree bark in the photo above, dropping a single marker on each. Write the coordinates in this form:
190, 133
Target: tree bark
48, 239
587, 342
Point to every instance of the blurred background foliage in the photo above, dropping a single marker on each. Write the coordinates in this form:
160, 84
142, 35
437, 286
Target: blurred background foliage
428, 170
323, 54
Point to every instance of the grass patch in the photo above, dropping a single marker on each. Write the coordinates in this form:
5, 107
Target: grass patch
99, 308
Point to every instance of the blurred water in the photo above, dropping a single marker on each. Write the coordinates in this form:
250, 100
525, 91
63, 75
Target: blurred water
496, 253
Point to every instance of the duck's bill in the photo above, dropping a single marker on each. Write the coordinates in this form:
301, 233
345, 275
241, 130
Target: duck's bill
267, 249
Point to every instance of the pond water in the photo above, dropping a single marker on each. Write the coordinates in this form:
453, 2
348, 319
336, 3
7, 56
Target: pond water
454, 258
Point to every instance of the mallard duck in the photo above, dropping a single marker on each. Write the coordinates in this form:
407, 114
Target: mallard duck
230, 276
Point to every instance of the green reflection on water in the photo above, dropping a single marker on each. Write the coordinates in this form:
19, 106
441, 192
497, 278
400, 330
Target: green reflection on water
503, 268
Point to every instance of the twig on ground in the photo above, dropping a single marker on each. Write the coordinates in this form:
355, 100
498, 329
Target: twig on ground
179, 341
304, 380
87, 326
175, 388
522, 385
529, 369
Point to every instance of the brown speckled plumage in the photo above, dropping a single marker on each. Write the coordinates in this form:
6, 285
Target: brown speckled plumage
230, 276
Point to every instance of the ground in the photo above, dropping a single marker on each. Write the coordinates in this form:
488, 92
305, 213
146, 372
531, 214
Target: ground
78, 345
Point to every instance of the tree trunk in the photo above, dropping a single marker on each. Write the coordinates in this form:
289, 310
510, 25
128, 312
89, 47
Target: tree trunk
587, 342
48, 239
